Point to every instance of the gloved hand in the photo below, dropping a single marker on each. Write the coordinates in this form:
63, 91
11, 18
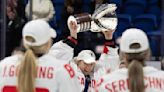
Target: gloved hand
82, 21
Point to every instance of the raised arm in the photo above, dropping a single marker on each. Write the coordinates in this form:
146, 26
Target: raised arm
64, 48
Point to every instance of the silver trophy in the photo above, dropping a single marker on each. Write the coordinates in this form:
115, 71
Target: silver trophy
103, 18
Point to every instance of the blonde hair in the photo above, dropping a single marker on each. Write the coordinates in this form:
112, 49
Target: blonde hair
27, 73
135, 65
27, 69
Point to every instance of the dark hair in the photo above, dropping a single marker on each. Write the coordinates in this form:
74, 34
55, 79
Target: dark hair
136, 76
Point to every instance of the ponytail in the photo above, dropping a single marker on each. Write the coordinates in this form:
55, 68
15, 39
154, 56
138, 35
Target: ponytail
27, 73
136, 76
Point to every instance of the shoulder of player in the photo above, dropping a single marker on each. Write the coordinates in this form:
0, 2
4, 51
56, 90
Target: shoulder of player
50, 60
61, 45
151, 70
119, 73
10, 60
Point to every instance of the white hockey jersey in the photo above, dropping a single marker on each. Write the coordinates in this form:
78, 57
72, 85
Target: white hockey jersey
59, 54
108, 62
118, 81
61, 51
70, 79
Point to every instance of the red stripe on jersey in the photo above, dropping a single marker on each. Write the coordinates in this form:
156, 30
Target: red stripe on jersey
14, 89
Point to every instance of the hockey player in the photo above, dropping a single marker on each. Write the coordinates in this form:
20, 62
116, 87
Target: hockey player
136, 77
71, 77
34, 71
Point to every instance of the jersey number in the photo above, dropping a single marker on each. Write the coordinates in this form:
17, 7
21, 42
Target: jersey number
70, 70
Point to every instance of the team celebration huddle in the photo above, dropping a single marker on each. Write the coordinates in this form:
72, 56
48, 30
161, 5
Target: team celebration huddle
45, 66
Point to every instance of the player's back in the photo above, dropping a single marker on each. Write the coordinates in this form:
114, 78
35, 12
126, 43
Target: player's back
70, 78
45, 77
118, 81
